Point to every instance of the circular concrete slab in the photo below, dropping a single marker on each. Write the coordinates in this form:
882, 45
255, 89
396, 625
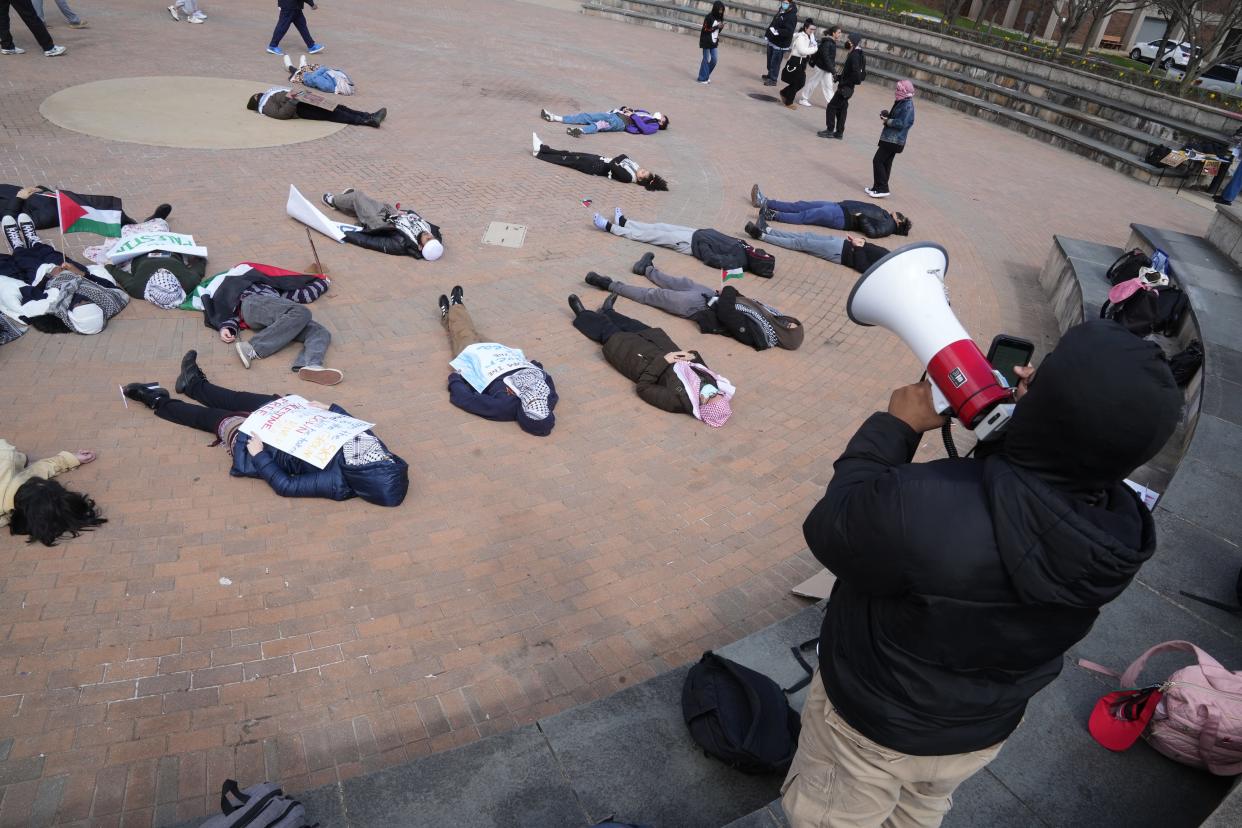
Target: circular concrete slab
189, 112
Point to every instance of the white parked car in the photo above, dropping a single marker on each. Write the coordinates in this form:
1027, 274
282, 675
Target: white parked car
1175, 54
1224, 78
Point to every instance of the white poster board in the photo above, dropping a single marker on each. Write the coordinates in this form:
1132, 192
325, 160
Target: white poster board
140, 243
299, 208
481, 363
294, 426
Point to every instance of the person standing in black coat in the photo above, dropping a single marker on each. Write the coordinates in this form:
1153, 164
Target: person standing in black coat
779, 35
709, 39
961, 583
291, 14
853, 72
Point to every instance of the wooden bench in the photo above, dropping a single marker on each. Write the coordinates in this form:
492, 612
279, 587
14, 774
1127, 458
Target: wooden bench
1110, 42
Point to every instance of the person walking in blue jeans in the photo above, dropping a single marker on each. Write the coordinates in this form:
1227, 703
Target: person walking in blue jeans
291, 14
709, 39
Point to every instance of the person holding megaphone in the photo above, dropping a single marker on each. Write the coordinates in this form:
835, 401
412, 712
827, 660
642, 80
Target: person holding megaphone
961, 583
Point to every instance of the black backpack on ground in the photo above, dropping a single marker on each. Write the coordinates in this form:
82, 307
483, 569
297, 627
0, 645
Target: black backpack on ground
259, 806
1149, 311
1127, 266
1185, 364
739, 716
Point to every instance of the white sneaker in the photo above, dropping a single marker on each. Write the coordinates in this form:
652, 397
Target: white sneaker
875, 194
173, 11
805, 103
196, 19
55, 51
301, 61
535, 143
16, 50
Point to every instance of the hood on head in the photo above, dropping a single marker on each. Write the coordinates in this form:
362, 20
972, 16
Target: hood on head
1103, 403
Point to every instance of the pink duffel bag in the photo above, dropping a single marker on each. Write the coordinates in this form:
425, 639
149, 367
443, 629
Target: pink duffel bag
1193, 717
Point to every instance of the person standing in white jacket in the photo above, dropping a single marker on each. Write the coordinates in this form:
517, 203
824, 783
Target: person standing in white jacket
823, 64
800, 52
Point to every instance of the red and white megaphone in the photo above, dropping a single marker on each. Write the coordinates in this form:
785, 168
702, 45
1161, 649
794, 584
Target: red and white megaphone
905, 293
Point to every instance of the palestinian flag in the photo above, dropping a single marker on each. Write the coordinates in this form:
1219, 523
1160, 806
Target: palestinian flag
79, 218
726, 275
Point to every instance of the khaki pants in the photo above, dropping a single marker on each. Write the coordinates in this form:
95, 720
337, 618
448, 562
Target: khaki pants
461, 330
842, 779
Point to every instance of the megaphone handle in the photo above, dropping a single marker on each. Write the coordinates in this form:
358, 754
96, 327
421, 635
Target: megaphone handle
939, 401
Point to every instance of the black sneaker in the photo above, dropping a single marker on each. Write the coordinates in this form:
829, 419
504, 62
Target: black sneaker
189, 372
595, 280
457, 295
148, 393
11, 234
26, 225
766, 214
640, 266
545, 114
753, 230
823, 133
609, 302
575, 304
444, 305
574, 131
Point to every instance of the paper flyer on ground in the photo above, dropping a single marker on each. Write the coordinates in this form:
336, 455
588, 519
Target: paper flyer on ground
294, 426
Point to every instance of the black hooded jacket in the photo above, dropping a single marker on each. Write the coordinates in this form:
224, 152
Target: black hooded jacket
961, 583
872, 220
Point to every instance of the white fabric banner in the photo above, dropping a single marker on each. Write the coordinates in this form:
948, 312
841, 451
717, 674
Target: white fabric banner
136, 245
481, 363
296, 427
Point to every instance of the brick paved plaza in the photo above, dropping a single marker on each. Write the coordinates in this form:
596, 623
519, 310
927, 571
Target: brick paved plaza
522, 575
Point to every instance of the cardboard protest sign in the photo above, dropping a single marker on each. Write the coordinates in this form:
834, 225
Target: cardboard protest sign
294, 426
313, 98
141, 243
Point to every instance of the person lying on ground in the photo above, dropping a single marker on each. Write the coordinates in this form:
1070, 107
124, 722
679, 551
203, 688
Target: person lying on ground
275, 307
619, 168
494, 381
720, 312
276, 103
363, 467
316, 76
395, 230
664, 375
33, 504
39, 203
711, 247
621, 119
871, 220
41, 288
852, 251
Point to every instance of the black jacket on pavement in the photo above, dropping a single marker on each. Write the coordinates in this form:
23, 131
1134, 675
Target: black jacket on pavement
872, 220
639, 355
861, 258
961, 585
785, 22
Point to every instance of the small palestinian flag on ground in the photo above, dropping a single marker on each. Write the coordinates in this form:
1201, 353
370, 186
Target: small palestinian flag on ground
734, 273
79, 218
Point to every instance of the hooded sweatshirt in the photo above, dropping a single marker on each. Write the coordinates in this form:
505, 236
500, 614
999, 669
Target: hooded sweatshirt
962, 582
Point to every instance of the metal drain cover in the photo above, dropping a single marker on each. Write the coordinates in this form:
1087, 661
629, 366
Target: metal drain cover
505, 235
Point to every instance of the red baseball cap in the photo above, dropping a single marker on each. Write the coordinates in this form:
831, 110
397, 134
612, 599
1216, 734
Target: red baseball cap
1118, 719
